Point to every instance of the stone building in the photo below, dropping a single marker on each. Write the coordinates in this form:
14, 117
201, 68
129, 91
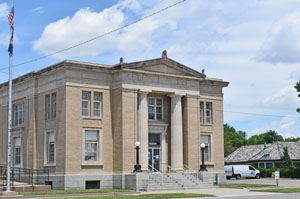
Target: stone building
81, 120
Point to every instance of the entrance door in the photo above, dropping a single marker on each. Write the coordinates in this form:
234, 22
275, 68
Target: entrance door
154, 158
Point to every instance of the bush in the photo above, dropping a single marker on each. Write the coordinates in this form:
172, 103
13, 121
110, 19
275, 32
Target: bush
284, 172
264, 173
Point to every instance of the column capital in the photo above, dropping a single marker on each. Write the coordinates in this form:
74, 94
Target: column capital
175, 95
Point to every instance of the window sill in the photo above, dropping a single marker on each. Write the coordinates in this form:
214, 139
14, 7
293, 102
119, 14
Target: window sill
206, 124
49, 165
209, 163
92, 164
14, 128
91, 118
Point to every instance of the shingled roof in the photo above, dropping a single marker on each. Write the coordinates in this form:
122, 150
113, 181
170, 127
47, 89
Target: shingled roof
261, 152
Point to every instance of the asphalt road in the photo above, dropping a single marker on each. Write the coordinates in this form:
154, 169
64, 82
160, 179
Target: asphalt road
273, 196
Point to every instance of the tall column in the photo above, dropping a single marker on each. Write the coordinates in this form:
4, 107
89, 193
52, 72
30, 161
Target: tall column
143, 129
176, 133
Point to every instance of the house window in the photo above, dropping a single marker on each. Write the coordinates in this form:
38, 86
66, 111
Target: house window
50, 106
91, 146
19, 114
17, 152
50, 148
97, 104
208, 112
266, 165
86, 99
207, 151
155, 109
201, 112
53, 104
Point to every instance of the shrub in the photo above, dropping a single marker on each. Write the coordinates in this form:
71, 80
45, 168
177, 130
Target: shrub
284, 172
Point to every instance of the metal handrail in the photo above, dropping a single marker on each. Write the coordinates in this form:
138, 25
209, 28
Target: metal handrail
178, 173
157, 172
184, 165
30, 176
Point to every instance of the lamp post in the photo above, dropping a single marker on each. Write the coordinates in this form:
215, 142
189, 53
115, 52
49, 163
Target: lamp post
137, 167
202, 167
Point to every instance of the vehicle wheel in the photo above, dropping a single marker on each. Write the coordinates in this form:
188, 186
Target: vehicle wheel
238, 177
228, 178
257, 176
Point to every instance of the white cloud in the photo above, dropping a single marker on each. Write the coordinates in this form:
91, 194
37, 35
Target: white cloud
3, 10
282, 43
286, 98
38, 10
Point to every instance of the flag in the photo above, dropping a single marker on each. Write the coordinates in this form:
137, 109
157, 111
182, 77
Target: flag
11, 17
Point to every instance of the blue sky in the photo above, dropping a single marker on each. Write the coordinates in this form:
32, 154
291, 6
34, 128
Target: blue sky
253, 44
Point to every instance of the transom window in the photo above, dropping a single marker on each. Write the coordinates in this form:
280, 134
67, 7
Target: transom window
155, 109
18, 114
91, 146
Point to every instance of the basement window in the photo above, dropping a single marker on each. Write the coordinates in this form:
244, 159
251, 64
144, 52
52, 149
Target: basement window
92, 184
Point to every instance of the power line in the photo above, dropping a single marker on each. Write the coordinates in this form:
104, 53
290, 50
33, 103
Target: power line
99, 36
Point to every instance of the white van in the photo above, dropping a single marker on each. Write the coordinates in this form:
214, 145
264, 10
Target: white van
239, 171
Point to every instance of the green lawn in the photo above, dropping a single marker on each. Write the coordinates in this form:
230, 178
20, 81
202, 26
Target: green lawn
243, 185
75, 191
146, 196
286, 190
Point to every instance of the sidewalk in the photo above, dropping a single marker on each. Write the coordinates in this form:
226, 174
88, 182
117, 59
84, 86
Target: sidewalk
218, 192
215, 191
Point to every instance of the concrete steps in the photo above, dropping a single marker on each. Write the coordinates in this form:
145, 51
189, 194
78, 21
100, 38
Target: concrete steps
174, 181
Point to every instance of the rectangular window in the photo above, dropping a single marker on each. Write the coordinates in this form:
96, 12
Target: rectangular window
97, 104
50, 106
86, 99
17, 152
53, 104
261, 165
155, 109
91, 146
50, 148
207, 149
208, 112
269, 165
19, 114
201, 112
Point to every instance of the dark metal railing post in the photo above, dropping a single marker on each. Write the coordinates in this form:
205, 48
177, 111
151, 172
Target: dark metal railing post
19, 174
32, 177
37, 176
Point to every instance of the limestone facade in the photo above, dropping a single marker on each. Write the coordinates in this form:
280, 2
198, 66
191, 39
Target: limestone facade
81, 120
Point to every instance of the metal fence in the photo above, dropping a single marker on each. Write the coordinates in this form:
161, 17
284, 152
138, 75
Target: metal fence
23, 175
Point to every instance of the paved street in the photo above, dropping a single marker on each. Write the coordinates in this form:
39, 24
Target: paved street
283, 182
274, 196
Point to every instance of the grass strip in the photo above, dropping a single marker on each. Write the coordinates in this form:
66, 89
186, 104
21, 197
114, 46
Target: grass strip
146, 196
75, 191
283, 190
244, 185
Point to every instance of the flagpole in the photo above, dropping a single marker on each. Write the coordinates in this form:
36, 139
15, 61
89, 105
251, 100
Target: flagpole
10, 101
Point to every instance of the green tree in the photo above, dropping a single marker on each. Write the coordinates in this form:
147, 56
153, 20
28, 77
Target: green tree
228, 148
292, 139
297, 87
286, 160
233, 139
267, 137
